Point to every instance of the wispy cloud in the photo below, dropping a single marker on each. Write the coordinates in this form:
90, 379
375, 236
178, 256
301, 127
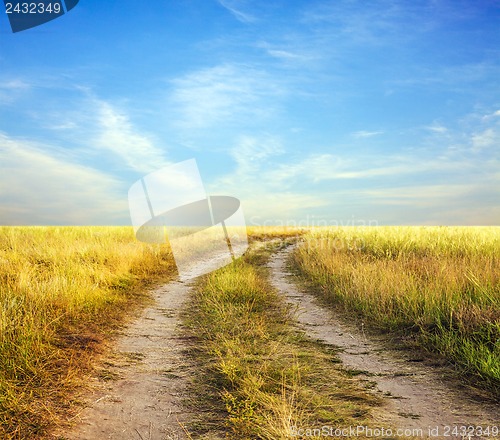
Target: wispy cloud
458, 78
14, 84
253, 181
286, 55
117, 135
92, 126
370, 24
366, 134
267, 178
421, 196
318, 168
485, 139
482, 133
236, 8
45, 187
45, 183
221, 95
490, 116
12, 88
453, 203
272, 95
270, 208
295, 52
436, 128
251, 152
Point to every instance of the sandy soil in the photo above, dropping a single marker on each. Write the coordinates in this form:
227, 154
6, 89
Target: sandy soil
416, 395
148, 373
142, 398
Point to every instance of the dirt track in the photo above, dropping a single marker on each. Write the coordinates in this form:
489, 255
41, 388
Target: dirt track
416, 395
143, 398
148, 374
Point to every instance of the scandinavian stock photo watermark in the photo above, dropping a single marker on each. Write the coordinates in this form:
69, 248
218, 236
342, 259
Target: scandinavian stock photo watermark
208, 232
205, 232
310, 221
331, 240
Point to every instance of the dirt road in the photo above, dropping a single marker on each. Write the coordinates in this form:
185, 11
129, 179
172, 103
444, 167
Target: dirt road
416, 395
148, 374
147, 378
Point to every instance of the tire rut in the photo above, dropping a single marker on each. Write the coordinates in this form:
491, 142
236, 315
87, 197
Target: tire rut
416, 396
147, 377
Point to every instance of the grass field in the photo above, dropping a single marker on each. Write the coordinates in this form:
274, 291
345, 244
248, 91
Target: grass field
64, 290
268, 378
441, 284
61, 291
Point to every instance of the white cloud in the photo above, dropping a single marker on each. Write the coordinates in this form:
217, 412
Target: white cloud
289, 53
454, 203
38, 187
327, 167
68, 125
96, 126
221, 95
14, 84
235, 7
366, 134
489, 116
117, 135
11, 89
267, 208
263, 193
285, 55
437, 128
311, 168
485, 139
276, 186
251, 151
418, 196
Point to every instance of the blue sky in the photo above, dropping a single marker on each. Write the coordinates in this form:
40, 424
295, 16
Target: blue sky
338, 112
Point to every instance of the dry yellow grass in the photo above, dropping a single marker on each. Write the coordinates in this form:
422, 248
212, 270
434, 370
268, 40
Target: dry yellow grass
440, 283
61, 290
270, 377
272, 233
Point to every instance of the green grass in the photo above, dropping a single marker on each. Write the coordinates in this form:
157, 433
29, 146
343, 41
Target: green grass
441, 284
61, 291
267, 376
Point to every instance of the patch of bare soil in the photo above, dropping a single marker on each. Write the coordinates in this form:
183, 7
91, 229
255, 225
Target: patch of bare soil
417, 395
139, 393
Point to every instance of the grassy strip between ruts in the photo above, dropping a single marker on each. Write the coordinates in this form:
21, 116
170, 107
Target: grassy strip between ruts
440, 284
62, 290
269, 380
